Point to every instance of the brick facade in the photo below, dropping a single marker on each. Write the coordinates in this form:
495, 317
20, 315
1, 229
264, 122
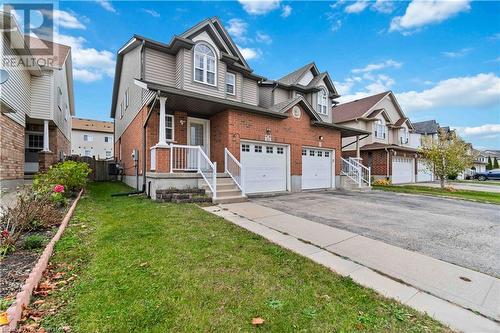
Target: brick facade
380, 164
229, 127
12, 149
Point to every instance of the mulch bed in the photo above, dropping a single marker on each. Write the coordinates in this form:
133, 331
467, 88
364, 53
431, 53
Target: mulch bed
15, 267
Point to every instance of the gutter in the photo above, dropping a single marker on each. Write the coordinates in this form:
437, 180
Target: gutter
144, 145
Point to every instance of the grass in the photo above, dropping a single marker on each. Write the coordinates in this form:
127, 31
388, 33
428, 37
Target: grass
486, 197
473, 181
149, 267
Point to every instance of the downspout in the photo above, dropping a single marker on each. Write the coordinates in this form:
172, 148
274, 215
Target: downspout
144, 145
387, 167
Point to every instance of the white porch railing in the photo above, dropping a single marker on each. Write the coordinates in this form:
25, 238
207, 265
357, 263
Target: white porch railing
356, 171
233, 168
193, 158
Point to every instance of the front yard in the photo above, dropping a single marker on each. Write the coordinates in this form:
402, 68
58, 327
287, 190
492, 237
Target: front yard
486, 197
128, 264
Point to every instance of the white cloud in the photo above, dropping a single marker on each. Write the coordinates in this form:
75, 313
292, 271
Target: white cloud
263, 38
480, 91
383, 6
373, 67
357, 7
421, 13
337, 3
65, 19
376, 84
89, 63
107, 5
250, 53
335, 25
457, 54
259, 7
487, 129
237, 28
151, 12
286, 11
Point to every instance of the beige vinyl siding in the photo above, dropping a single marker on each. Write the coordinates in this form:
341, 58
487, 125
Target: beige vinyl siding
201, 88
131, 69
179, 69
42, 96
58, 115
16, 91
327, 118
159, 67
250, 91
362, 125
281, 95
306, 78
265, 96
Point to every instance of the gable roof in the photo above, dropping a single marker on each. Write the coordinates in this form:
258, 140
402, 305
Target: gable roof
426, 127
294, 77
288, 104
218, 33
46, 48
356, 109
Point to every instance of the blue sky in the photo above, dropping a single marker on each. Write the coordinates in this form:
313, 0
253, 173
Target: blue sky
442, 59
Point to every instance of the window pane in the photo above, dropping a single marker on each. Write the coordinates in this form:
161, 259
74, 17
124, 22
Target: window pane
210, 78
198, 75
230, 89
230, 78
211, 64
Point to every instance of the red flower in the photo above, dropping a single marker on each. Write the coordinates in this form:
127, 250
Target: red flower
5, 233
59, 188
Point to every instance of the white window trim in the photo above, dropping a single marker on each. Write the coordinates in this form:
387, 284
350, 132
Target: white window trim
121, 109
323, 102
205, 64
173, 127
126, 98
234, 84
59, 98
380, 130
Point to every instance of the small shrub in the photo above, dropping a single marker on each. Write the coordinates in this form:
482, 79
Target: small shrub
71, 175
33, 242
382, 182
58, 199
29, 213
5, 303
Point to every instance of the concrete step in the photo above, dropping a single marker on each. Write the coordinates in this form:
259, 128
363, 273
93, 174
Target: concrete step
221, 187
228, 193
233, 199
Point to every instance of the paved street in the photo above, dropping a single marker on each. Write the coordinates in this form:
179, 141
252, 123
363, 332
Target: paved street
460, 232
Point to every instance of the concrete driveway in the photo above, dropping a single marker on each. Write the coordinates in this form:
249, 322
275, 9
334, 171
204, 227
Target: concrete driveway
460, 232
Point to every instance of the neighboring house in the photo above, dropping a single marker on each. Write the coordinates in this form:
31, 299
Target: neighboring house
429, 131
391, 150
480, 161
492, 154
186, 109
92, 138
36, 104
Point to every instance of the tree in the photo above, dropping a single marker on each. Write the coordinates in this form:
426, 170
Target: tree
489, 166
495, 163
448, 156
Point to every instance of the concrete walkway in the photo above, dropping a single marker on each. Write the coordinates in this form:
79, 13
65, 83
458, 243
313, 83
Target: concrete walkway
445, 291
492, 186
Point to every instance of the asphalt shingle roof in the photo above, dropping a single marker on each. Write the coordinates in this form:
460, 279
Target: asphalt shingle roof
355, 109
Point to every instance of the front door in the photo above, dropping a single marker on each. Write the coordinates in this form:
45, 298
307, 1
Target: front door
198, 133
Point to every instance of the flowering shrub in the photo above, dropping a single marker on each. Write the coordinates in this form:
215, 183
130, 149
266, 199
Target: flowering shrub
382, 182
67, 178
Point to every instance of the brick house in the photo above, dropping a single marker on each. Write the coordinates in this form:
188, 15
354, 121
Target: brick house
391, 150
36, 105
192, 113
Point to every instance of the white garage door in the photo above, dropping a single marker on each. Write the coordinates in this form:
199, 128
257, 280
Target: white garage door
424, 174
316, 168
264, 166
402, 170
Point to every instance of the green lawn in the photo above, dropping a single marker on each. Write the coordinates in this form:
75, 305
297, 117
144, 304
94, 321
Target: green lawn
487, 197
149, 267
473, 181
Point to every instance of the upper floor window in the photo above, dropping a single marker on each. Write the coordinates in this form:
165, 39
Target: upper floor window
230, 83
323, 102
126, 98
108, 139
204, 64
88, 138
121, 109
404, 136
380, 129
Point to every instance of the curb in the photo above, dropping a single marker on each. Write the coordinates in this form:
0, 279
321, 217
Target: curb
15, 311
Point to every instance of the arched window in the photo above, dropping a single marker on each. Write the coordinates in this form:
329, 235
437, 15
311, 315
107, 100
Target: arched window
380, 129
323, 101
205, 64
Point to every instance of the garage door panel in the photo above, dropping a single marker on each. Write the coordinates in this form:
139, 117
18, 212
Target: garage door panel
402, 170
424, 174
316, 168
265, 167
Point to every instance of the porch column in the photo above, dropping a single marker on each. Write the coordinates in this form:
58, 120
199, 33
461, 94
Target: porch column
162, 140
46, 136
357, 147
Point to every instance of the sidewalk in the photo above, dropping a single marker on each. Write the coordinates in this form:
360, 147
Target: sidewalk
445, 291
